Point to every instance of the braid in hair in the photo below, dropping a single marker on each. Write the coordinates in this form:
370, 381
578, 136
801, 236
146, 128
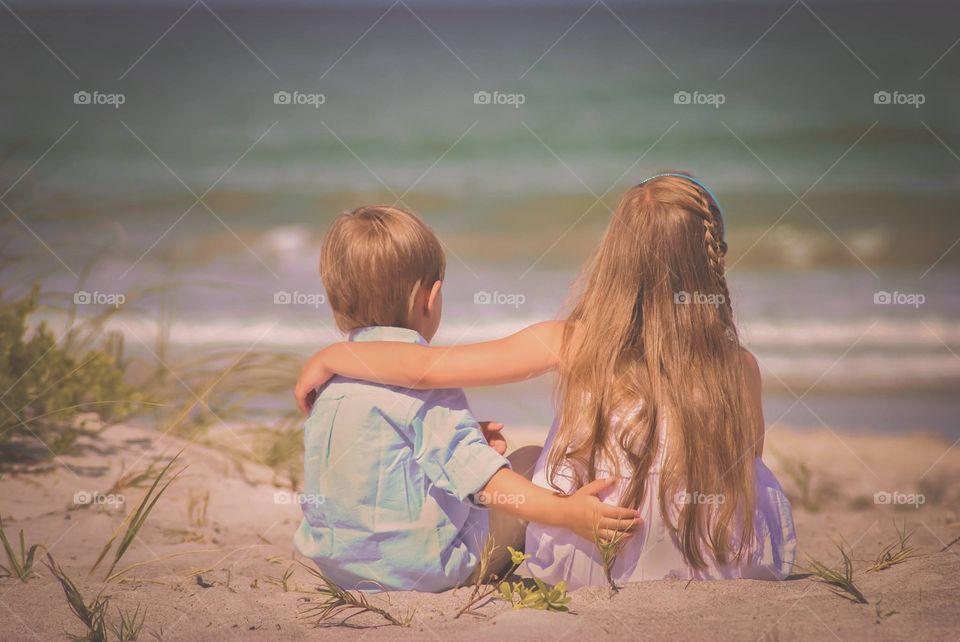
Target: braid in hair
715, 246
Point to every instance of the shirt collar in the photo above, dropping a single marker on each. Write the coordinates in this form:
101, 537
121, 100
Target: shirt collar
387, 333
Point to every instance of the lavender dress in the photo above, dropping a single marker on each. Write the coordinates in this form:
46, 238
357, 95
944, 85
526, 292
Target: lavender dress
653, 552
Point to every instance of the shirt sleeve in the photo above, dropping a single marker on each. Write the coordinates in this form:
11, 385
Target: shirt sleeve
450, 447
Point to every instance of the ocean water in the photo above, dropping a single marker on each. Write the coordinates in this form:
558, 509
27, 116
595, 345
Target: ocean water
834, 203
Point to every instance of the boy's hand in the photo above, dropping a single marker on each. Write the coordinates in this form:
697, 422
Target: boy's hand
313, 375
491, 432
589, 517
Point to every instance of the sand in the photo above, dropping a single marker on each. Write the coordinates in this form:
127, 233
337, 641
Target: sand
219, 578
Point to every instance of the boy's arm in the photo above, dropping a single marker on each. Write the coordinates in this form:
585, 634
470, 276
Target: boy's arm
582, 512
528, 353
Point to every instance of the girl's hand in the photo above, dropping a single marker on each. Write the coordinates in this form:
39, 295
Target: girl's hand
590, 518
313, 375
495, 439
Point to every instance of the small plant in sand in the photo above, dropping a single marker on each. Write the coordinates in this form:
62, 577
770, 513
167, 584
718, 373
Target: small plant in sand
197, 509
337, 601
947, 546
809, 495
19, 566
883, 614
135, 520
128, 625
839, 581
93, 614
126, 480
541, 596
609, 551
132, 479
484, 576
284, 580
895, 553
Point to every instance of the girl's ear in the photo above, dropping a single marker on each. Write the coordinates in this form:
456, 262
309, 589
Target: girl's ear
433, 297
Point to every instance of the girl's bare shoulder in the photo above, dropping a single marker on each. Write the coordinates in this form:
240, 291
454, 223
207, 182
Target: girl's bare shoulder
751, 369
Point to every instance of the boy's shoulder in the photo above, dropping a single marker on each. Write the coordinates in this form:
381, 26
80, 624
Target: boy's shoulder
395, 399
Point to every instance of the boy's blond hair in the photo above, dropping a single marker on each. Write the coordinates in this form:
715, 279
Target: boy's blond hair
372, 263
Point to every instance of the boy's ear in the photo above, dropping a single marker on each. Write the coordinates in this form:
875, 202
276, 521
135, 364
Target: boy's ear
433, 296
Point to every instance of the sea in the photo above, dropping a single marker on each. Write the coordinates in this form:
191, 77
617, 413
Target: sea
190, 155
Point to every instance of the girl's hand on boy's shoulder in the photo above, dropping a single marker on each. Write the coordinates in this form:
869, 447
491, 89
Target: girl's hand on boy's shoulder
313, 375
492, 433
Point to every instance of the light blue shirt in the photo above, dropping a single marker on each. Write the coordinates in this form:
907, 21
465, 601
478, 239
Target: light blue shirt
389, 475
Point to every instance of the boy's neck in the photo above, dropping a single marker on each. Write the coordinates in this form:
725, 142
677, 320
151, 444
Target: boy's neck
408, 326
418, 327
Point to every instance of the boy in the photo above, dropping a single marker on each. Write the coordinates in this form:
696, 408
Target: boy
405, 476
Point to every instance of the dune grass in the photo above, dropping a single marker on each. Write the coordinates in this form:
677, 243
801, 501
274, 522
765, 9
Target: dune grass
129, 625
93, 614
810, 494
19, 565
197, 505
49, 380
339, 605
839, 581
133, 479
135, 519
896, 552
283, 580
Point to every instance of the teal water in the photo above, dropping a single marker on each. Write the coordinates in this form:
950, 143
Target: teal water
513, 191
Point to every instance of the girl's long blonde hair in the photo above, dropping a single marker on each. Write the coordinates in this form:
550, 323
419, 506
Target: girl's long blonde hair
651, 337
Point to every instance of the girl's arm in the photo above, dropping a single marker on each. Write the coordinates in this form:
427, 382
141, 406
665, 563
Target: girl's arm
530, 352
754, 391
581, 512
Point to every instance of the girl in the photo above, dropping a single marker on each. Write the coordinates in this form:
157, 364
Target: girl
653, 387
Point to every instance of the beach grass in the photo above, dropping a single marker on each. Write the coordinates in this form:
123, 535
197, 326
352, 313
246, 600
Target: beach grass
93, 614
896, 552
839, 581
19, 565
197, 505
338, 606
135, 520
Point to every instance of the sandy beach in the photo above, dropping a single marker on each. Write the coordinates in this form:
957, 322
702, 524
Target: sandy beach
210, 561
